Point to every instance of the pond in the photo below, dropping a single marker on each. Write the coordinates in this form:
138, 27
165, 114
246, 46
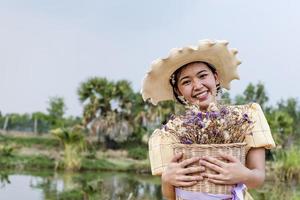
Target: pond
87, 185
103, 185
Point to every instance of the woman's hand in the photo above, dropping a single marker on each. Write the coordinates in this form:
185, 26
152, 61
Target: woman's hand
232, 172
181, 173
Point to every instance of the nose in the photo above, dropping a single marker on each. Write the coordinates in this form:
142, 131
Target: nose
197, 84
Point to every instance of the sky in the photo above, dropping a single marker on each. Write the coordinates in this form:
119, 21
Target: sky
47, 48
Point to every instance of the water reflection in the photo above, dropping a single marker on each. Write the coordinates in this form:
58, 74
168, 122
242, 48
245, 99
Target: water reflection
73, 186
107, 186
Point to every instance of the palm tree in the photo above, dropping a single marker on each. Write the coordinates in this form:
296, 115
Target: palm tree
124, 95
107, 107
96, 95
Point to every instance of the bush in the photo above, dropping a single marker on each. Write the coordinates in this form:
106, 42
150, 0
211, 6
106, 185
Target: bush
6, 150
287, 164
139, 153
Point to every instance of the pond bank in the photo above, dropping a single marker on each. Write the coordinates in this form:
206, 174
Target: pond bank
36, 152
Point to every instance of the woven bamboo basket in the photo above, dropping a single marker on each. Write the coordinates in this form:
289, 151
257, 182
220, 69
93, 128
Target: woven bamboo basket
191, 150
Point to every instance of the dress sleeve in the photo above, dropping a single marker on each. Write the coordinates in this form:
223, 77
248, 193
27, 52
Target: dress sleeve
160, 150
261, 134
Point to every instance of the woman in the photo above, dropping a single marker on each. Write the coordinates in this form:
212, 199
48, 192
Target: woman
194, 75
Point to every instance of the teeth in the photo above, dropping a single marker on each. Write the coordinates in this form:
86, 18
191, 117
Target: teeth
201, 94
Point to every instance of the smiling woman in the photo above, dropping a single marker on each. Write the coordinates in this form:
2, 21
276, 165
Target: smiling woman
197, 82
194, 75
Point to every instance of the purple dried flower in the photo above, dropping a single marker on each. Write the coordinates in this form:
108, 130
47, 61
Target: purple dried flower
227, 125
207, 115
199, 116
165, 127
186, 141
214, 115
224, 111
201, 124
214, 133
246, 118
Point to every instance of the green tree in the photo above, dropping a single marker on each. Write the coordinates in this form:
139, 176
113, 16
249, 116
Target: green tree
124, 95
260, 95
108, 108
253, 93
291, 107
56, 110
225, 98
96, 95
239, 100
40, 122
281, 124
250, 93
20, 122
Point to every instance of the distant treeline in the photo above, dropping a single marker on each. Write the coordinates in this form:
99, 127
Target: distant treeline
39, 122
114, 112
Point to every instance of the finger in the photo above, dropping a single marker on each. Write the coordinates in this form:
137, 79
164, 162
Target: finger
189, 161
212, 166
220, 182
189, 178
177, 157
228, 157
191, 170
214, 176
186, 184
214, 161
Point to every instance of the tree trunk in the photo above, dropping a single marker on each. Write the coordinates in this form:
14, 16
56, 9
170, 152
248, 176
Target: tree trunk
289, 141
110, 144
5, 123
35, 125
85, 196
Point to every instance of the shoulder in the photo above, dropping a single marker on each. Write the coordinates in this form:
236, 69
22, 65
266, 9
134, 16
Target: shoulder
250, 106
253, 109
160, 136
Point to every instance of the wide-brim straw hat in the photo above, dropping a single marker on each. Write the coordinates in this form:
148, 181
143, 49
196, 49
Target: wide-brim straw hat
156, 85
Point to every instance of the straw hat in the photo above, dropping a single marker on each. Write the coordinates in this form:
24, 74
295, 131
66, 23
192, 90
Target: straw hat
156, 86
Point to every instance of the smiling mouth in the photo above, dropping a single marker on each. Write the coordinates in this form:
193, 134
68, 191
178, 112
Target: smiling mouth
200, 95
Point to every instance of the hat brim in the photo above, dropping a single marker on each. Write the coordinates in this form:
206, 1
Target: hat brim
156, 86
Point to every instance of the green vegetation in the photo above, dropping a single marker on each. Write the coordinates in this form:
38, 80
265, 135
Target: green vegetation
56, 157
115, 117
91, 185
74, 143
26, 162
22, 162
287, 165
276, 191
6, 150
37, 141
139, 153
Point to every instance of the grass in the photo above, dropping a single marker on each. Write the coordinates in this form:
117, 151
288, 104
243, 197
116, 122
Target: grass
24, 141
285, 176
21, 162
276, 191
26, 162
287, 165
44, 153
139, 153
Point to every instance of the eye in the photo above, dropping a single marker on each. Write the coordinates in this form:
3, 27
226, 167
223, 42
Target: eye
186, 82
201, 76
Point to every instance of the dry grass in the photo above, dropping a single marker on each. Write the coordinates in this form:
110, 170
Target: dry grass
51, 153
112, 154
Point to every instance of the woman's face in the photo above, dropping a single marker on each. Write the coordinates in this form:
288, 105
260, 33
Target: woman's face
197, 83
